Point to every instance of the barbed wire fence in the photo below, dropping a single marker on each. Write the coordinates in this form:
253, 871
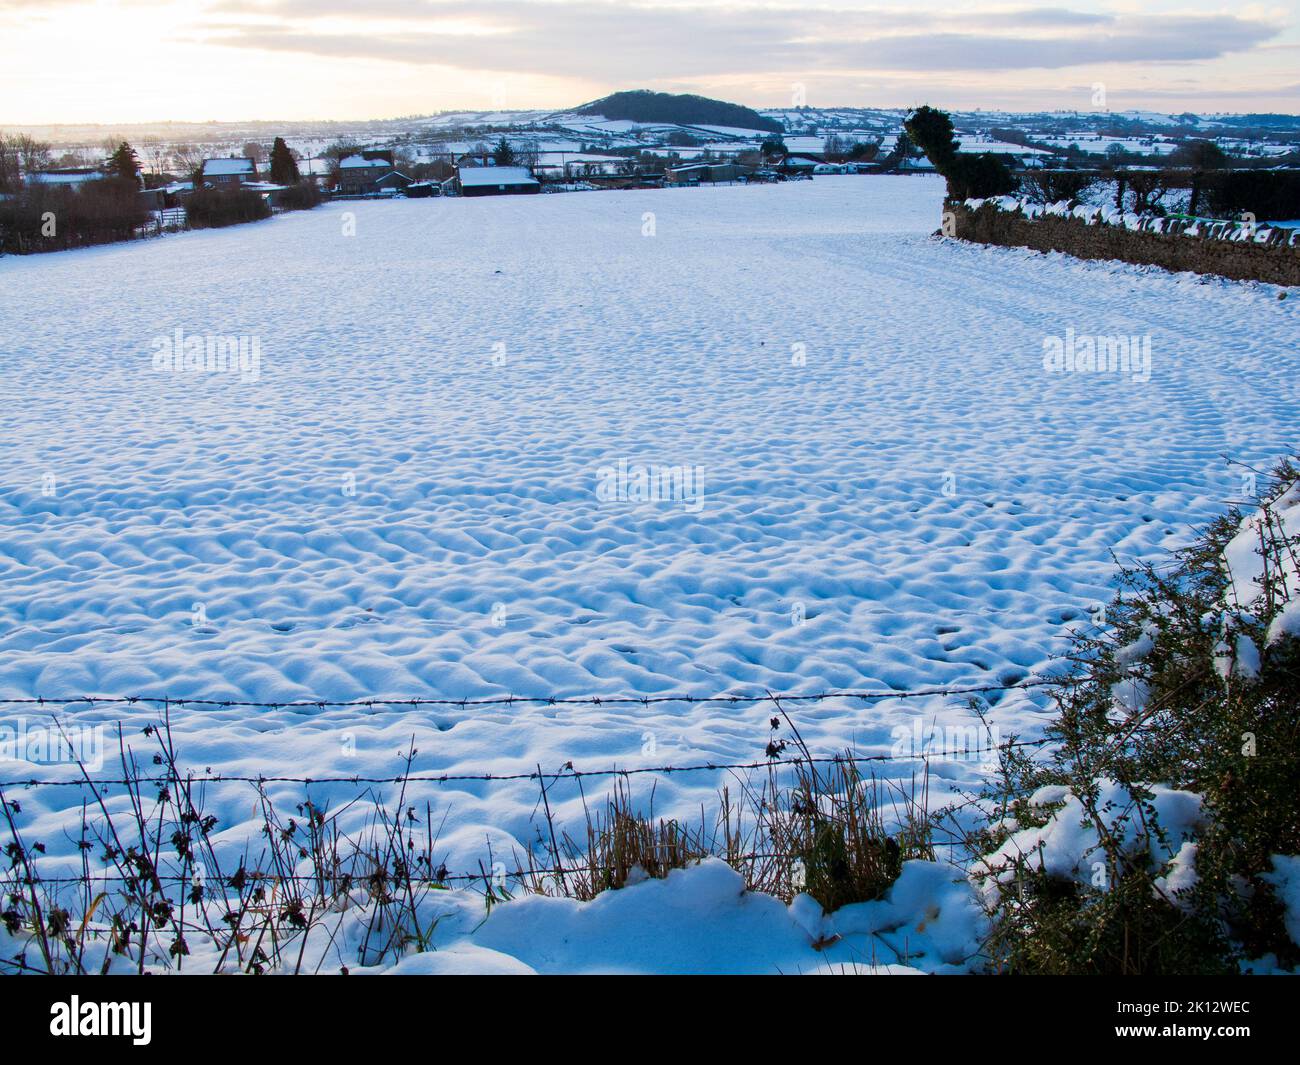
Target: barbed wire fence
165, 703
544, 778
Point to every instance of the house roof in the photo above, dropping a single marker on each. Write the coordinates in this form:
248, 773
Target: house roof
496, 175
360, 162
220, 167
64, 177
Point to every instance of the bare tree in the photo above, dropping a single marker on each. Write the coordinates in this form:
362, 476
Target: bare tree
35, 155
187, 160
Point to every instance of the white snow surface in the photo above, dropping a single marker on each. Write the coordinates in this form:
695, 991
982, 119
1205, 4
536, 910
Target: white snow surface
1246, 563
701, 920
1285, 878
936, 507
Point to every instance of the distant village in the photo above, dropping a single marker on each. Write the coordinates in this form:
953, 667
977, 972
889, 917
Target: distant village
1150, 163
375, 173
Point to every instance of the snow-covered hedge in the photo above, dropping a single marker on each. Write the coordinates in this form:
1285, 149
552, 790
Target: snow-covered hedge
1209, 229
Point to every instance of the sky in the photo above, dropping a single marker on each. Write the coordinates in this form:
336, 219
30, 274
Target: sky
120, 61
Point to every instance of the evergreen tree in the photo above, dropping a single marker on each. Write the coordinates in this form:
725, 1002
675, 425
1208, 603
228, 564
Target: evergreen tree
284, 169
124, 164
967, 175
503, 154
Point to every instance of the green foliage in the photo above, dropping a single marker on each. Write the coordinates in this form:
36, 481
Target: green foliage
124, 164
1208, 723
284, 168
1270, 195
980, 175
834, 822
503, 154
931, 130
1053, 927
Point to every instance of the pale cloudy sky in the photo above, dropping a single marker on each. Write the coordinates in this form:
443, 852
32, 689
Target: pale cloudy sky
187, 60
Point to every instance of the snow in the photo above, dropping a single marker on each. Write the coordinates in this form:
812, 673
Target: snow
225, 167
1069, 846
55, 178
360, 162
1285, 878
701, 920
403, 502
495, 175
1285, 624
1246, 564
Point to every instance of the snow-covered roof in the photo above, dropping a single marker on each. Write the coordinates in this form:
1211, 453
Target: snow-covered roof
360, 162
64, 177
222, 167
496, 175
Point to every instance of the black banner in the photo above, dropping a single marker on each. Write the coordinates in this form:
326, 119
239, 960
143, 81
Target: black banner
366, 1012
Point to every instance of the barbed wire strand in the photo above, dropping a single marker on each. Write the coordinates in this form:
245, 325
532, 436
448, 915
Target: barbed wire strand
528, 700
451, 778
567, 773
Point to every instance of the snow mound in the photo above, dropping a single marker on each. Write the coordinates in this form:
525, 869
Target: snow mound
702, 920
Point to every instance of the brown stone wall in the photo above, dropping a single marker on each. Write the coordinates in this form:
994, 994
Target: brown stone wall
1275, 263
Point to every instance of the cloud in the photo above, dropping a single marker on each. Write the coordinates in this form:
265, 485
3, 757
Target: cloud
629, 44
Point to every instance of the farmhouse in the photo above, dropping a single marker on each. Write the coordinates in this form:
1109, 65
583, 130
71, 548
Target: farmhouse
233, 171
495, 181
369, 173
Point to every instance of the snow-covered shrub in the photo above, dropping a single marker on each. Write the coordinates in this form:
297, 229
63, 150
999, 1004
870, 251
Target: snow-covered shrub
1152, 836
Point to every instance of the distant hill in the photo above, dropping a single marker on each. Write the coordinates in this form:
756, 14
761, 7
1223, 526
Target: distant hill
642, 105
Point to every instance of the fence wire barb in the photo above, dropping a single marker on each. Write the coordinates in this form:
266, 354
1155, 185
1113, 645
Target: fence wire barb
530, 700
560, 774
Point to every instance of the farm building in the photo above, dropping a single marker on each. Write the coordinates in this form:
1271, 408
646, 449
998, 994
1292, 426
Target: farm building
66, 176
393, 182
233, 171
705, 173
495, 181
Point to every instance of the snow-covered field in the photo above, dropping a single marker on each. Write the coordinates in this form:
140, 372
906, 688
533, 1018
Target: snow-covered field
409, 494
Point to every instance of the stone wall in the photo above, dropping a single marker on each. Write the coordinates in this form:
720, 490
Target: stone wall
1273, 258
